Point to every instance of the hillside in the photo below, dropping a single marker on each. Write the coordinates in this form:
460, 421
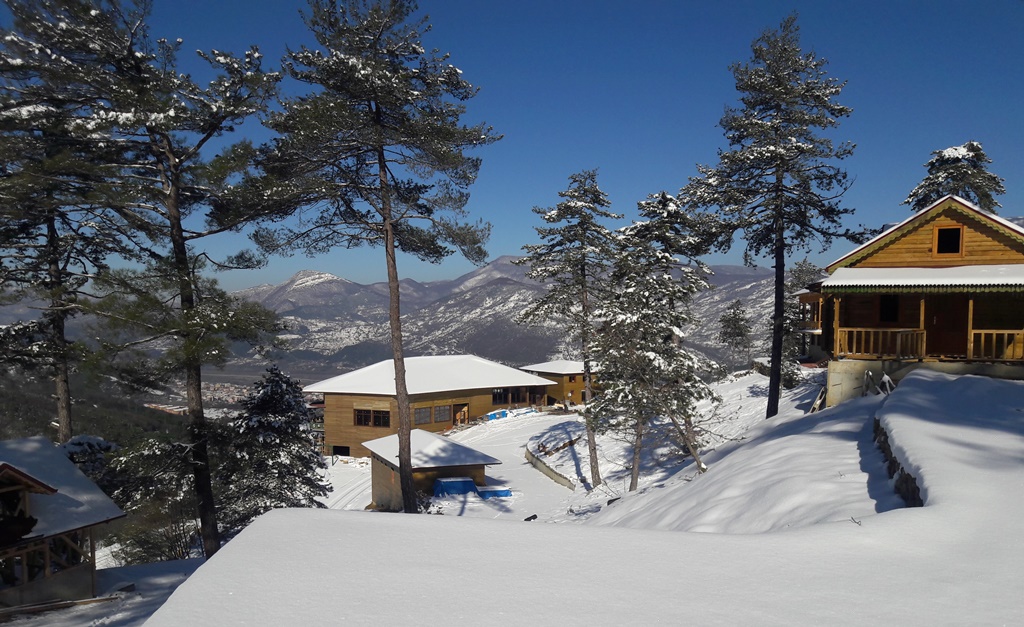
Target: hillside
795, 524
337, 325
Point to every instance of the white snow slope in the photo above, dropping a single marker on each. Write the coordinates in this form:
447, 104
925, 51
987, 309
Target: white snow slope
791, 537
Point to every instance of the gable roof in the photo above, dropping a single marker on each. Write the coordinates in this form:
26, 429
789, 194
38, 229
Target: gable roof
424, 375
77, 502
12, 474
1003, 225
558, 366
430, 450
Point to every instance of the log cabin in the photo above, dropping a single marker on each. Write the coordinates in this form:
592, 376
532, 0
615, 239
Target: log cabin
942, 289
444, 391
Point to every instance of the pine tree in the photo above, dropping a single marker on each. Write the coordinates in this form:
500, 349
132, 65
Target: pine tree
375, 154
646, 369
161, 192
734, 329
574, 262
53, 200
271, 459
960, 170
776, 183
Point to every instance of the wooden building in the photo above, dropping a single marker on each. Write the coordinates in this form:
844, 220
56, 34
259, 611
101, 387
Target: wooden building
433, 457
444, 391
567, 377
48, 514
944, 286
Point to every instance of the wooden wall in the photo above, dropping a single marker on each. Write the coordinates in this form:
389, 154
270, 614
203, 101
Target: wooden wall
982, 245
386, 488
339, 415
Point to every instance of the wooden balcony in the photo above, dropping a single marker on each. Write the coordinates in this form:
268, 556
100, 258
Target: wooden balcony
868, 343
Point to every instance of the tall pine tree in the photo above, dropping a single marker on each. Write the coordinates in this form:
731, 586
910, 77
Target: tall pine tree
376, 154
574, 261
960, 170
777, 181
646, 370
734, 330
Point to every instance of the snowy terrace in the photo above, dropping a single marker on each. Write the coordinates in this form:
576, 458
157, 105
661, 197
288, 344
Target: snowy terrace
800, 528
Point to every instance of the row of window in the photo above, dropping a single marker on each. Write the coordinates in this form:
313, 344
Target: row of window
421, 416
503, 396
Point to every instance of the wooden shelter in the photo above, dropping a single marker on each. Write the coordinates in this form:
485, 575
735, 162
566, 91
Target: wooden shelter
433, 457
48, 513
443, 390
945, 285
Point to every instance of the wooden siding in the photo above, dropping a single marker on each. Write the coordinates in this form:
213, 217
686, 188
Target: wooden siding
563, 386
340, 427
982, 244
386, 488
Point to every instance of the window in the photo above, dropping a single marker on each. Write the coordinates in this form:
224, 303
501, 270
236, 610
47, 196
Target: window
443, 413
374, 418
572, 378
889, 308
949, 240
517, 396
340, 450
498, 396
421, 415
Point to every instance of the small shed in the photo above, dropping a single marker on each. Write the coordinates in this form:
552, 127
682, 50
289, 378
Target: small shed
48, 513
433, 457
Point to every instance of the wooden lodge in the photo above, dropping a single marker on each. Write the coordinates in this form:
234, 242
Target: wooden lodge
444, 391
49, 512
566, 377
944, 286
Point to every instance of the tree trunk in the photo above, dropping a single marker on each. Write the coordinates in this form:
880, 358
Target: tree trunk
638, 441
197, 429
588, 390
57, 317
778, 318
689, 441
409, 504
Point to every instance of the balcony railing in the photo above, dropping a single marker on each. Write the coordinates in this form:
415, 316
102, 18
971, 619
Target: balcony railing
860, 342
997, 345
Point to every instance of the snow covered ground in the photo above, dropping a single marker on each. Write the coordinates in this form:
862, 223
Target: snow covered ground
797, 522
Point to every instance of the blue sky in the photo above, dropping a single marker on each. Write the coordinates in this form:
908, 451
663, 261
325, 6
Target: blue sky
636, 90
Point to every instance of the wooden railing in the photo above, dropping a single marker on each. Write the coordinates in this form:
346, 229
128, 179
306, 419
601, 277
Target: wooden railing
860, 342
997, 345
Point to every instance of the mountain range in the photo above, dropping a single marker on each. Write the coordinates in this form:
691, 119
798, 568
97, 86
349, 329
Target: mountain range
335, 325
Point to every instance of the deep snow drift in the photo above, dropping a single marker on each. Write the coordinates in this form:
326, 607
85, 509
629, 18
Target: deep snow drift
768, 555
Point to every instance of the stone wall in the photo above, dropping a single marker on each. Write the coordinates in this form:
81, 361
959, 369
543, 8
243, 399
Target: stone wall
906, 484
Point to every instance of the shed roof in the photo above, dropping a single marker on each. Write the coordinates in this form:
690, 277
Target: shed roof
991, 278
428, 374
77, 503
430, 450
558, 366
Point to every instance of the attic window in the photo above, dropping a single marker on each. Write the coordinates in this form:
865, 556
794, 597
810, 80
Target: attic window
949, 240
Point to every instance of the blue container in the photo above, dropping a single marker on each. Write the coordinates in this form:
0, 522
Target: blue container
493, 491
453, 485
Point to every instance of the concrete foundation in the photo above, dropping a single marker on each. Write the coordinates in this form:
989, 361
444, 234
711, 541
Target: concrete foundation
846, 376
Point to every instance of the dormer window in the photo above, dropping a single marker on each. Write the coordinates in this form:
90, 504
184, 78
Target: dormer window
948, 241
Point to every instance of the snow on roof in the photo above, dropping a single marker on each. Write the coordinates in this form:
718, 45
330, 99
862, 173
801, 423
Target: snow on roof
1009, 223
428, 374
994, 276
78, 502
430, 450
559, 366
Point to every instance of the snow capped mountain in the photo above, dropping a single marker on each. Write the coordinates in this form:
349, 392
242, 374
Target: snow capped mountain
335, 324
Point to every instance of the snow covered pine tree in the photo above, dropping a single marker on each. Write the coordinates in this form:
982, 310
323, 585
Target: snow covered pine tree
270, 459
960, 170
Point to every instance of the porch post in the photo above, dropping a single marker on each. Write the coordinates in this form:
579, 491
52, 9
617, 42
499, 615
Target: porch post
924, 335
835, 329
970, 327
